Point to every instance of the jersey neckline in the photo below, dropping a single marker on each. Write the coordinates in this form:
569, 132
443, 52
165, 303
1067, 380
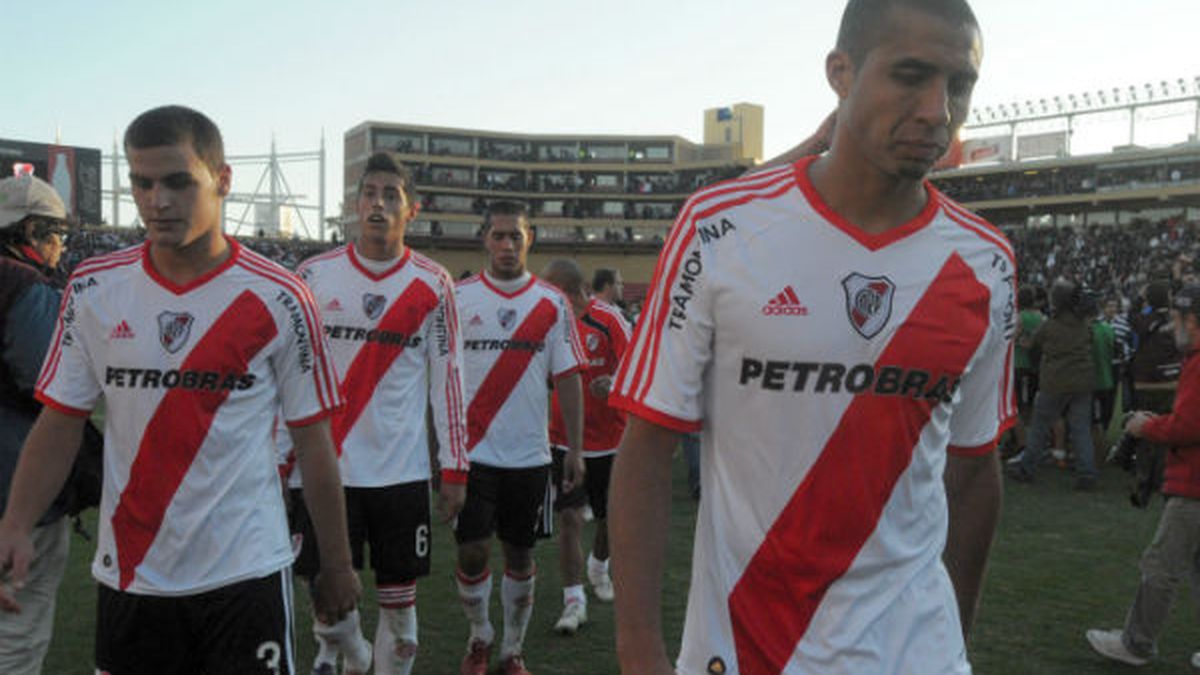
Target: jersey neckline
486, 282
358, 265
235, 251
873, 242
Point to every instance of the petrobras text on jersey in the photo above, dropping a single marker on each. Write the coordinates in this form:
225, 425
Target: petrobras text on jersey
152, 378
356, 334
834, 378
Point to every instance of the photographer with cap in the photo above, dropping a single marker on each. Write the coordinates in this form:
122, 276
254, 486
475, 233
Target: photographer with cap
31, 215
33, 225
1175, 551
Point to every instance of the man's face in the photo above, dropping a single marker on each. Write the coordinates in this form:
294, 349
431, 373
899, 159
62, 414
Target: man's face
1110, 309
383, 211
507, 243
904, 103
177, 196
618, 287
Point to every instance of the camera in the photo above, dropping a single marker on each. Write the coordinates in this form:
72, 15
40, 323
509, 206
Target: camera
1144, 460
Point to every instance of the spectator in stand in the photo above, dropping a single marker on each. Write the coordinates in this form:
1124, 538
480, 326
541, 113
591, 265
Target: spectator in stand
1066, 380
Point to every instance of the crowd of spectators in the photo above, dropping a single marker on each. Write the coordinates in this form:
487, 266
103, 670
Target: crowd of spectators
1109, 261
1081, 179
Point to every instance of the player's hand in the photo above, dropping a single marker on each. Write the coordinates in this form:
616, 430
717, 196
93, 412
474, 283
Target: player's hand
601, 386
573, 470
1136, 421
335, 594
819, 142
16, 550
451, 498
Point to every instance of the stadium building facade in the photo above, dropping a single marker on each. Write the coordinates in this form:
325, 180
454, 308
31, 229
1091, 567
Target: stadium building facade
590, 195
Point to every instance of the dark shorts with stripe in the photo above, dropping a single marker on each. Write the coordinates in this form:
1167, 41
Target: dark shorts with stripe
244, 627
509, 502
393, 521
594, 491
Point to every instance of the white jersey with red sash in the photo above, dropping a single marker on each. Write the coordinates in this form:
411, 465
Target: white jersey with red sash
513, 344
396, 343
829, 372
193, 377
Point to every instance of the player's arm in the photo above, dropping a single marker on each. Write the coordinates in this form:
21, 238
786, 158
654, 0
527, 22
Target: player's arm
448, 413
973, 495
336, 588
570, 399
42, 469
639, 515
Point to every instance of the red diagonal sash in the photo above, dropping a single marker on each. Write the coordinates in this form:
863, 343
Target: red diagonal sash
836, 508
404, 317
179, 426
507, 371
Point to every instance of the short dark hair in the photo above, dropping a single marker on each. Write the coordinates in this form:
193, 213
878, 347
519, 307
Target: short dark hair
172, 124
863, 21
1025, 297
603, 278
504, 207
566, 274
388, 162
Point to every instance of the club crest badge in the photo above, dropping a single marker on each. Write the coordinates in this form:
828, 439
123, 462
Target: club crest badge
373, 305
507, 317
868, 302
593, 341
174, 328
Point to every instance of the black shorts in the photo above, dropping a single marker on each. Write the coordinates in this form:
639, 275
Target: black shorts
511, 502
392, 520
244, 627
593, 492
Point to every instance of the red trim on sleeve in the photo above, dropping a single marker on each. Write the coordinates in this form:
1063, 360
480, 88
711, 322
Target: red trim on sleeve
570, 371
977, 451
454, 477
312, 419
653, 416
60, 407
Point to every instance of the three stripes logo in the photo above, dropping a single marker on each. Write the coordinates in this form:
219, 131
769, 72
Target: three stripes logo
787, 303
121, 331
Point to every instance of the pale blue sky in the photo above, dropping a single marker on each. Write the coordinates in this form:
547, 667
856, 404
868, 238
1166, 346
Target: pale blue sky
619, 66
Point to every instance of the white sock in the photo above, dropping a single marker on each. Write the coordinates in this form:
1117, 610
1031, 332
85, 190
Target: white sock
396, 641
475, 594
333, 639
516, 595
596, 568
574, 594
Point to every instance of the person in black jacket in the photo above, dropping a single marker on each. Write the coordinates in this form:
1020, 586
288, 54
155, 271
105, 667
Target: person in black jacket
28, 310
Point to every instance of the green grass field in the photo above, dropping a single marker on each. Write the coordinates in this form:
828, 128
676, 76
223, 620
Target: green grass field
1063, 562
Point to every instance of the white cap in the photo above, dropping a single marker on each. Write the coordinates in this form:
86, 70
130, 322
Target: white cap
22, 196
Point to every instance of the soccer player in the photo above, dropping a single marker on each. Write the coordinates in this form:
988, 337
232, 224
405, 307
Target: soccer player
604, 334
840, 332
194, 342
607, 286
389, 315
518, 334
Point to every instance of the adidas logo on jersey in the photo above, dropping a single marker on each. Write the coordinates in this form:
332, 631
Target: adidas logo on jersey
787, 303
122, 331
476, 321
333, 306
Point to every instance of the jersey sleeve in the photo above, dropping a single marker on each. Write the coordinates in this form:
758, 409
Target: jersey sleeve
662, 371
987, 407
444, 356
308, 389
566, 349
68, 381
620, 332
